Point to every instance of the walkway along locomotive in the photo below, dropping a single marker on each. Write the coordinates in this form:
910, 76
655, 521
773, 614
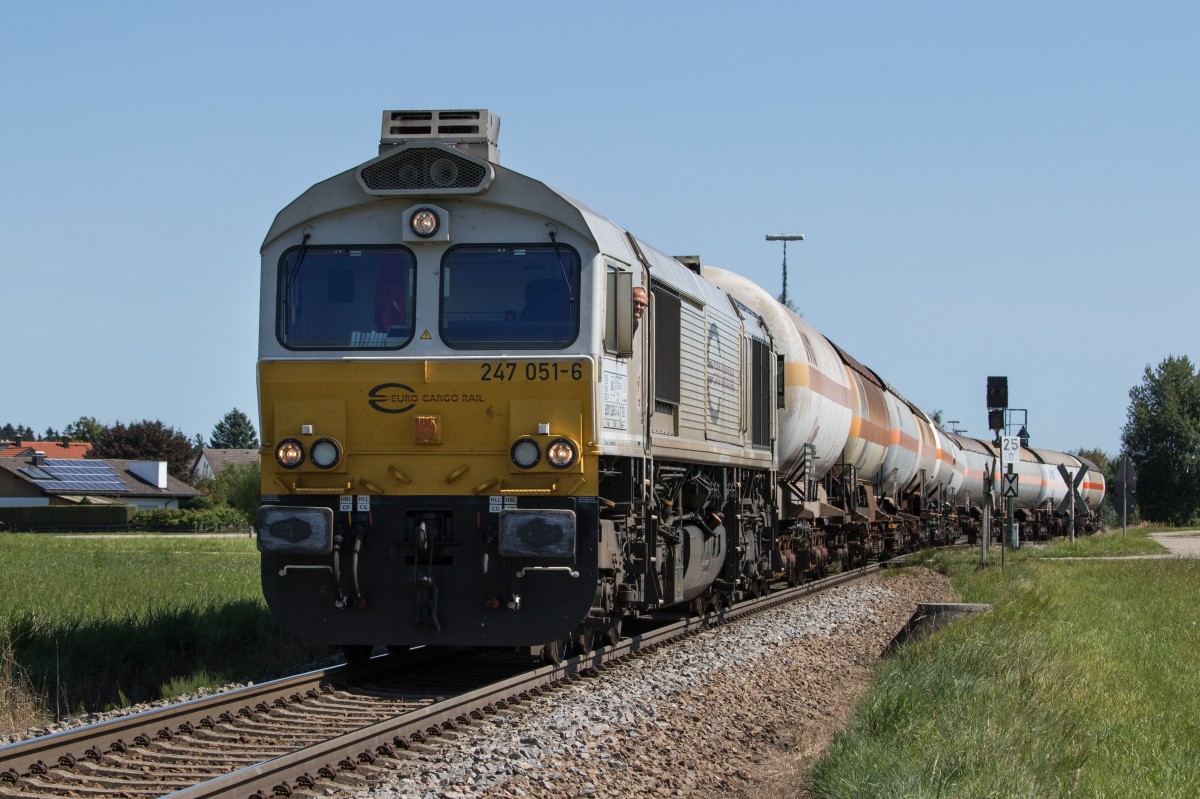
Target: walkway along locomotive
470, 438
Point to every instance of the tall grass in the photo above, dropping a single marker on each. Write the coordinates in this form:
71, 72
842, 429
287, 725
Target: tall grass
1082, 681
21, 707
96, 623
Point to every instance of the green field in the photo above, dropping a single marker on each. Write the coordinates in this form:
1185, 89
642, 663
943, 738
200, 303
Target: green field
1083, 681
89, 623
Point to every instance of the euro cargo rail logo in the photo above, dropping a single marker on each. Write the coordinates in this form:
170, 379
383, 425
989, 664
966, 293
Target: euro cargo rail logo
392, 398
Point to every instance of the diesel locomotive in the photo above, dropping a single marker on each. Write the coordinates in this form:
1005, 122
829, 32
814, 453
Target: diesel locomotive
473, 435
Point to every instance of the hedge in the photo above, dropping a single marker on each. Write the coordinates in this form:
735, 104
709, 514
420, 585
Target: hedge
196, 520
59, 516
104, 518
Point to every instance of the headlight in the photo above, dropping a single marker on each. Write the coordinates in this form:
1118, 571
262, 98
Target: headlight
561, 453
424, 222
525, 453
289, 453
325, 453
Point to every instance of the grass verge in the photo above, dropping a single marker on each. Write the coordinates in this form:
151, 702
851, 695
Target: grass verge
1082, 681
94, 623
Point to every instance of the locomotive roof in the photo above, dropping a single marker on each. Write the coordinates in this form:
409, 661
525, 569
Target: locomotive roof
343, 192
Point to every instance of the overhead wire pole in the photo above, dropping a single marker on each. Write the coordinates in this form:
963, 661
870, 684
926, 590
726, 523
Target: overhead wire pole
785, 238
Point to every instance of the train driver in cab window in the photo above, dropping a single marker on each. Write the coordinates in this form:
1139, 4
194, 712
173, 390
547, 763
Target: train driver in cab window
640, 300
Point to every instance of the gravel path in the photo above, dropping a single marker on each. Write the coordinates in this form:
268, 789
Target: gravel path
1183, 544
734, 712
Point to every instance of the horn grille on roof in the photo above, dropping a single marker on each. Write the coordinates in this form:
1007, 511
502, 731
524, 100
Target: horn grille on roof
424, 170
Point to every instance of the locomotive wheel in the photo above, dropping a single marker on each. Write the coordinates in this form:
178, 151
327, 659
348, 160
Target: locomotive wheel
554, 652
357, 653
583, 639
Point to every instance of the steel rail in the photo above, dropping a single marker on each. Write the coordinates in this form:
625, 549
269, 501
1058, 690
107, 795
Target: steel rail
162, 723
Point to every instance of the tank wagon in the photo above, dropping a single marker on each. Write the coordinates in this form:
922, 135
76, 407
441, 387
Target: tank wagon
473, 435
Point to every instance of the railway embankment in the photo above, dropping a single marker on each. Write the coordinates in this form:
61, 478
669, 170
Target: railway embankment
710, 716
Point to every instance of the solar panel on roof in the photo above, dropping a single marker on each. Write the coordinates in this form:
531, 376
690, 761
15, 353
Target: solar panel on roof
58, 474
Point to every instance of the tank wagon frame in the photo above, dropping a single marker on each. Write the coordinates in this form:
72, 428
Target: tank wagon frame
471, 438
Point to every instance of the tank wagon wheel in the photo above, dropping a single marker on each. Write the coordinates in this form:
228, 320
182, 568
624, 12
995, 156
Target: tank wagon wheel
357, 653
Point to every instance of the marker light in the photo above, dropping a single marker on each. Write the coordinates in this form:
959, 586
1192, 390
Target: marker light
325, 453
289, 453
525, 453
424, 222
561, 453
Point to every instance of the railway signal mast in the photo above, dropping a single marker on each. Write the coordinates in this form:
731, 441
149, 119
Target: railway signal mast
997, 404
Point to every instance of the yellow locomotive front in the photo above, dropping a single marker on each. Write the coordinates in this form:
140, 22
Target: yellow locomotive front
428, 388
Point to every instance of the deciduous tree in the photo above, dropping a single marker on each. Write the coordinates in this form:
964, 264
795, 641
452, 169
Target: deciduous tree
85, 428
1162, 437
146, 440
238, 485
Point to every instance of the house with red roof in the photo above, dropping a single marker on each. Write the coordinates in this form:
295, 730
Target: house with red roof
64, 448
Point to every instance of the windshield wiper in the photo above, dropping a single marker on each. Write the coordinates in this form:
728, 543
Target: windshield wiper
562, 266
287, 288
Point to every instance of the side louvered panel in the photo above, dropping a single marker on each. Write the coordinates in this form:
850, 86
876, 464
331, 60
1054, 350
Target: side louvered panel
723, 380
692, 373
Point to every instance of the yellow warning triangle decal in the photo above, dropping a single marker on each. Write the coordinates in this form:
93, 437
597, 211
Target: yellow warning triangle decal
425, 336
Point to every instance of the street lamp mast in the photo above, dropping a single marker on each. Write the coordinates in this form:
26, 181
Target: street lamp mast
785, 238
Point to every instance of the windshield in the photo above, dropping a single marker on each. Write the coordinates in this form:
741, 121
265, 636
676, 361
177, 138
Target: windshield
346, 297
510, 296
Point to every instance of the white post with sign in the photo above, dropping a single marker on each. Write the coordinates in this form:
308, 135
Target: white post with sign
1010, 453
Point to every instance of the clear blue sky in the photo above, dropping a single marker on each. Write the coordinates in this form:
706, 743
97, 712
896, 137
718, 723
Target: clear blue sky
986, 188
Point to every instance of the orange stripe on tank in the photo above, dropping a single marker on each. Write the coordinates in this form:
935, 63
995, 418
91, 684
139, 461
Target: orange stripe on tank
900, 438
802, 375
867, 430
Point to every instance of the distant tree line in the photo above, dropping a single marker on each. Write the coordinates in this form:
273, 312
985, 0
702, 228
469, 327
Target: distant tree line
145, 440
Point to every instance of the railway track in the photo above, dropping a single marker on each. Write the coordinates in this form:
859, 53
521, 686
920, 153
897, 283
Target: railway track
274, 739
